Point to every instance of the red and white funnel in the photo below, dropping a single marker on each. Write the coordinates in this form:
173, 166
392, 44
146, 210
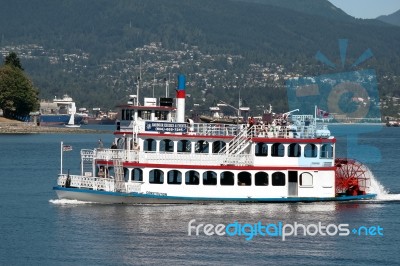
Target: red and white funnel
180, 99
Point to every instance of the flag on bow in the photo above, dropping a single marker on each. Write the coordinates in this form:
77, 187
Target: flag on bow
67, 148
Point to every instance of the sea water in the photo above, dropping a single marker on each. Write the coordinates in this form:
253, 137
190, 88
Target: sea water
38, 229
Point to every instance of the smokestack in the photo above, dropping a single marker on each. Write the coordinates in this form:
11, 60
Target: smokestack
180, 99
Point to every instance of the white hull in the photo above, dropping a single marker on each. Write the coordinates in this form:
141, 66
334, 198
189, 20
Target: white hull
134, 198
114, 198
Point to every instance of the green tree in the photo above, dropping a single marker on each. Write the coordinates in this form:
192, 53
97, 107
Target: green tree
18, 97
13, 60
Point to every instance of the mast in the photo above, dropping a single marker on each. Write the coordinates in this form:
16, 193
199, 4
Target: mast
138, 82
154, 82
61, 157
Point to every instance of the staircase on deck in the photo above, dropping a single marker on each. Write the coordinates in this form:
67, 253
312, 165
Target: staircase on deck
233, 151
119, 175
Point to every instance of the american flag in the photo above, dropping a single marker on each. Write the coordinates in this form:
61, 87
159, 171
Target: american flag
67, 148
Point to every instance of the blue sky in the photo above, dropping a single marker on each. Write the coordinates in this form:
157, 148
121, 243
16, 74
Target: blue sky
367, 8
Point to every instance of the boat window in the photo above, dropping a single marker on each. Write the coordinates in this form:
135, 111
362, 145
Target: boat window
126, 174
128, 114
209, 178
278, 179
192, 178
261, 149
278, 150
184, 145
121, 143
310, 151
217, 146
261, 179
100, 172
294, 150
137, 174
156, 176
109, 171
244, 179
174, 177
144, 114
202, 146
306, 180
167, 145
227, 178
326, 151
149, 145
161, 115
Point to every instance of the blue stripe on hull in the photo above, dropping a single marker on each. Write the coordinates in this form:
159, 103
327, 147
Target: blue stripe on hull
147, 198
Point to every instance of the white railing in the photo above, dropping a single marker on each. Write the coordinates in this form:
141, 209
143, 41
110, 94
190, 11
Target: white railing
96, 183
238, 143
238, 159
213, 129
111, 154
172, 158
298, 126
181, 158
87, 155
295, 129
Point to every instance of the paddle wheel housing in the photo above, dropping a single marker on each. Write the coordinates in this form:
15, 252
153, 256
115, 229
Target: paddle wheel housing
352, 177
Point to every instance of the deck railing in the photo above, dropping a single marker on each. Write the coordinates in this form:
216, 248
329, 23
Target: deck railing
295, 129
174, 158
97, 183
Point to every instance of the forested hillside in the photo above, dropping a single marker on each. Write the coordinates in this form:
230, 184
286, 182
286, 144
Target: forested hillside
104, 36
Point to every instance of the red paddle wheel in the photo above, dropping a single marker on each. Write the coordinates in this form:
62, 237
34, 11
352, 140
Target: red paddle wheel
352, 177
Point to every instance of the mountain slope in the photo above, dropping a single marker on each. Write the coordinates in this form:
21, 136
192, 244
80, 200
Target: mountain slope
284, 32
393, 19
321, 8
103, 27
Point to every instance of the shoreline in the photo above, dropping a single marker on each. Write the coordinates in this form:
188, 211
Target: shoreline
30, 128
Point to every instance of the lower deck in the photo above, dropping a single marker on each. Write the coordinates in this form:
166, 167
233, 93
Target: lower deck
205, 183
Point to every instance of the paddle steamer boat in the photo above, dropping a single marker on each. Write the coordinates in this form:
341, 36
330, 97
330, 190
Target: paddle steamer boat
159, 156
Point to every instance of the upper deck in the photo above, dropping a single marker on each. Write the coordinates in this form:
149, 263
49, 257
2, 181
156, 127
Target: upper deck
155, 135
297, 127
298, 142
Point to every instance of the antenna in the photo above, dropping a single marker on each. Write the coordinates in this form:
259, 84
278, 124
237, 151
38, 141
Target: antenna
140, 67
137, 90
138, 81
154, 82
166, 87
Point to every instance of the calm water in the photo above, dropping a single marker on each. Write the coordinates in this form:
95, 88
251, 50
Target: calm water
38, 229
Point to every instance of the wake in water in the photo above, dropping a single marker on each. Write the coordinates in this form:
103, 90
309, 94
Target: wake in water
68, 202
382, 193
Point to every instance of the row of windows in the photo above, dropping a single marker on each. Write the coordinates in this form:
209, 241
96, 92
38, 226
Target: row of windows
262, 149
226, 178
128, 114
294, 150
